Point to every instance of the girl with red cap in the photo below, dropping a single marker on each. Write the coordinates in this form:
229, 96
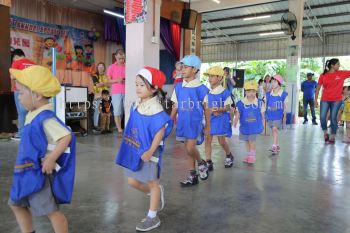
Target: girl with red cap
142, 145
275, 114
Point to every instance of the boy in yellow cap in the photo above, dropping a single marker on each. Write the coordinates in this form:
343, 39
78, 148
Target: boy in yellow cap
45, 165
250, 113
217, 115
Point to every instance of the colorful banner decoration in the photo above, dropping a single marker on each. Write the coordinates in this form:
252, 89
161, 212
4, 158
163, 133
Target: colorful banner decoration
135, 11
74, 46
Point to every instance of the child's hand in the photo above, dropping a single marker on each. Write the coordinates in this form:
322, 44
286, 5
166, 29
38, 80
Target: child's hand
235, 123
146, 156
216, 112
48, 165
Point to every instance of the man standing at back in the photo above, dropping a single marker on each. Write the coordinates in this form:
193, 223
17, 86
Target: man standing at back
308, 87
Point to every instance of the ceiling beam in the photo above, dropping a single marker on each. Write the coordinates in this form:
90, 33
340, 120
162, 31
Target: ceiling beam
279, 11
268, 31
209, 5
273, 22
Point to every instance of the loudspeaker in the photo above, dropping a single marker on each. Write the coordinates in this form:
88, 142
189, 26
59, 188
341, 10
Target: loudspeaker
189, 19
238, 77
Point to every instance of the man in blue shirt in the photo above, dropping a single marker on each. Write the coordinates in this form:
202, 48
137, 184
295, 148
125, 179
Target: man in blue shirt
309, 87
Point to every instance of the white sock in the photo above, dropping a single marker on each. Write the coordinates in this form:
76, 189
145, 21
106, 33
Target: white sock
152, 214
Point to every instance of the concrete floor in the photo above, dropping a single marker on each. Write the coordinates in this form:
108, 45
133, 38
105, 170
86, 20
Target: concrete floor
304, 189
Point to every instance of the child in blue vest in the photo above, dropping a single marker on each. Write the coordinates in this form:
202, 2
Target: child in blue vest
276, 101
250, 113
217, 115
188, 99
45, 167
142, 145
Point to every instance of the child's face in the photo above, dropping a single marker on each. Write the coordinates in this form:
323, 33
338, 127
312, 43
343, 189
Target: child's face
274, 83
142, 90
105, 97
188, 71
179, 67
250, 94
25, 96
214, 80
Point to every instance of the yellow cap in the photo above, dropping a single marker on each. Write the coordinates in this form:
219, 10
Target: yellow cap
38, 79
215, 70
250, 85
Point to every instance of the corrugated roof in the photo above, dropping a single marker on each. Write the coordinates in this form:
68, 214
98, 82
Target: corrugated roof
333, 15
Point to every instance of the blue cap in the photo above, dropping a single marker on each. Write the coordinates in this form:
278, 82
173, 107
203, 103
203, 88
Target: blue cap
192, 60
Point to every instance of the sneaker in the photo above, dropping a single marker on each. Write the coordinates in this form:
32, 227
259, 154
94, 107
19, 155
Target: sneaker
203, 170
229, 161
109, 131
189, 181
104, 132
251, 159
278, 148
210, 165
326, 138
246, 159
346, 140
331, 141
305, 122
148, 224
16, 137
314, 123
162, 201
274, 150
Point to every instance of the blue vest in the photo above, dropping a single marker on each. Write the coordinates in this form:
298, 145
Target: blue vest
27, 177
138, 136
190, 112
275, 106
250, 118
219, 125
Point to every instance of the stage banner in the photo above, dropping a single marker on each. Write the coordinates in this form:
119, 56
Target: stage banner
135, 11
74, 50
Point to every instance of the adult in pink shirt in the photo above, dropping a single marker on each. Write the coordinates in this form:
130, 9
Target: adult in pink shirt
116, 78
332, 81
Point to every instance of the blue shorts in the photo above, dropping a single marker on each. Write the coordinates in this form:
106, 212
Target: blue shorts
118, 104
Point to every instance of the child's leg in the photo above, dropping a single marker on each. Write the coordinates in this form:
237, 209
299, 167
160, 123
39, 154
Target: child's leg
348, 129
108, 121
252, 148
247, 145
224, 145
138, 185
208, 141
275, 135
58, 222
155, 195
103, 121
192, 152
24, 218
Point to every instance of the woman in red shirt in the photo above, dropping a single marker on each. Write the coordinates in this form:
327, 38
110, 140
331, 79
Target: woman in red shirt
332, 81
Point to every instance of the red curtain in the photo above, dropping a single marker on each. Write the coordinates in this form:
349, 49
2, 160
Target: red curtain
176, 37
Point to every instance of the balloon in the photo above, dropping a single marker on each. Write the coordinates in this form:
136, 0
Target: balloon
93, 29
90, 34
94, 38
97, 34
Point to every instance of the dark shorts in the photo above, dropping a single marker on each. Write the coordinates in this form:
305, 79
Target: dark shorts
41, 203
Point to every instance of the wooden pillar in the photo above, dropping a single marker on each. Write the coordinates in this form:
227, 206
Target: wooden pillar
192, 39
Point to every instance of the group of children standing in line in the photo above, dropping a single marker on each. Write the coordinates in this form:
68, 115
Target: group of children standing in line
142, 145
143, 142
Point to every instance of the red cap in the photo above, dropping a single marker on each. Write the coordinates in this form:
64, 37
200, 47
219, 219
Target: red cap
153, 76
